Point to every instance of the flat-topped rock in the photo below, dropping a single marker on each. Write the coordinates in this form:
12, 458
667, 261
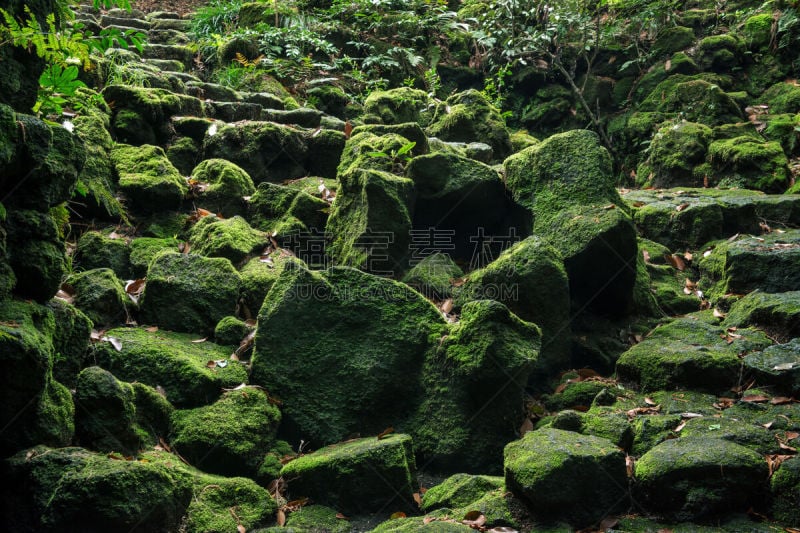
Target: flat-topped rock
128, 22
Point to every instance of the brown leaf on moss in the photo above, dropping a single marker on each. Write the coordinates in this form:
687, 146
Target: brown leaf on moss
281, 518
385, 433
396, 515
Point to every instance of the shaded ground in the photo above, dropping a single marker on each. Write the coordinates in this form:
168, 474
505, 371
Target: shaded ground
179, 6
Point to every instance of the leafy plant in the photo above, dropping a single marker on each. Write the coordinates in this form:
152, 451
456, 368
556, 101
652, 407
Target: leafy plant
56, 85
399, 158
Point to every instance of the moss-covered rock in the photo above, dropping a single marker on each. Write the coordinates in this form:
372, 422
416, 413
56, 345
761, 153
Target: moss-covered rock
675, 151
408, 130
470, 117
230, 436
172, 362
746, 263
460, 490
101, 296
230, 330
96, 250
397, 106
565, 475
147, 178
696, 98
258, 276
369, 150
785, 491
153, 413
36, 254
691, 352
357, 476
231, 238
317, 518
782, 97
690, 478
530, 279
287, 212
265, 150
474, 385
719, 53
777, 365
105, 414
433, 276
465, 198
750, 163
144, 249
373, 328
757, 31
189, 292
214, 497
370, 221
673, 39
778, 314
183, 153
70, 341
224, 186
72, 489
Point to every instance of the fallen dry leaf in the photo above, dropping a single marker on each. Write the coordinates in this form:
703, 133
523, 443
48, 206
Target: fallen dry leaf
680, 426
649, 401
340, 516
115, 342
396, 515
718, 313
385, 433
755, 398
630, 463
676, 261
526, 426
418, 499
281, 518
199, 341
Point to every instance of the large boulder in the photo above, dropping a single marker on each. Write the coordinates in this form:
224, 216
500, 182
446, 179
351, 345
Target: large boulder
370, 221
147, 178
188, 292
101, 296
566, 475
776, 313
229, 437
222, 186
34, 408
189, 373
289, 214
363, 475
474, 389
70, 341
359, 330
692, 352
696, 478
530, 279
466, 200
96, 250
398, 106
231, 238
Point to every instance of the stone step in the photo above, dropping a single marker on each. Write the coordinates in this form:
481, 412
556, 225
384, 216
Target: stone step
181, 53
159, 15
265, 100
127, 14
192, 127
127, 22
171, 24
167, 37
124, 29
169, 65
185, 77
304, 117
234, 111
212, 91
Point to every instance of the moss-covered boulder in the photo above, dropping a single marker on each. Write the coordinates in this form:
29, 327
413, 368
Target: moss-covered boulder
530, 279
258, 276
367, 149
464, 199
459, 490
147, 178
189, 292
470, 117
676, 149
231, 238
213, 498
36, 253
673, 39
105, 415
265, 150
370, 221
719, 53
777, 365
153, 413
474, 384
72, 489
101, 296
778, 313
34, 407
770, 263
785, 491
565, 475
230, 330
286, 212
696, 98
229, 437
317, 518
750, 163
181, 368
783, 97
690, 478
373, 328
144, 249
397, 106
223, 186
692, 352
434, 275
357, 476
408, 130
96, 250
70, 341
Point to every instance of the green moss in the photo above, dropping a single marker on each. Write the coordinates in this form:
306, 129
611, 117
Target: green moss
97, 174
231, 238
357, 476
230, 331
408, 130
673, 40
470, 117
697, 99
460, 490
332, 100
189, 292
70, 341
35, 253
719, 53
285, 211
373, 328
154, 105
361, 149
100, 294
153, 413
750, 163
778, 314
95, 250
777, 366
521, 140
688, 352
214, 497
258, 276
147, 178
225, 185
183, 153
228, 437
314, 518
675, 151
565, 475
105, 413
397, 106
144, 249
131, 127
696, 477
785, 489
574, 394
370, 221
170, 361
782, 97
433, 276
